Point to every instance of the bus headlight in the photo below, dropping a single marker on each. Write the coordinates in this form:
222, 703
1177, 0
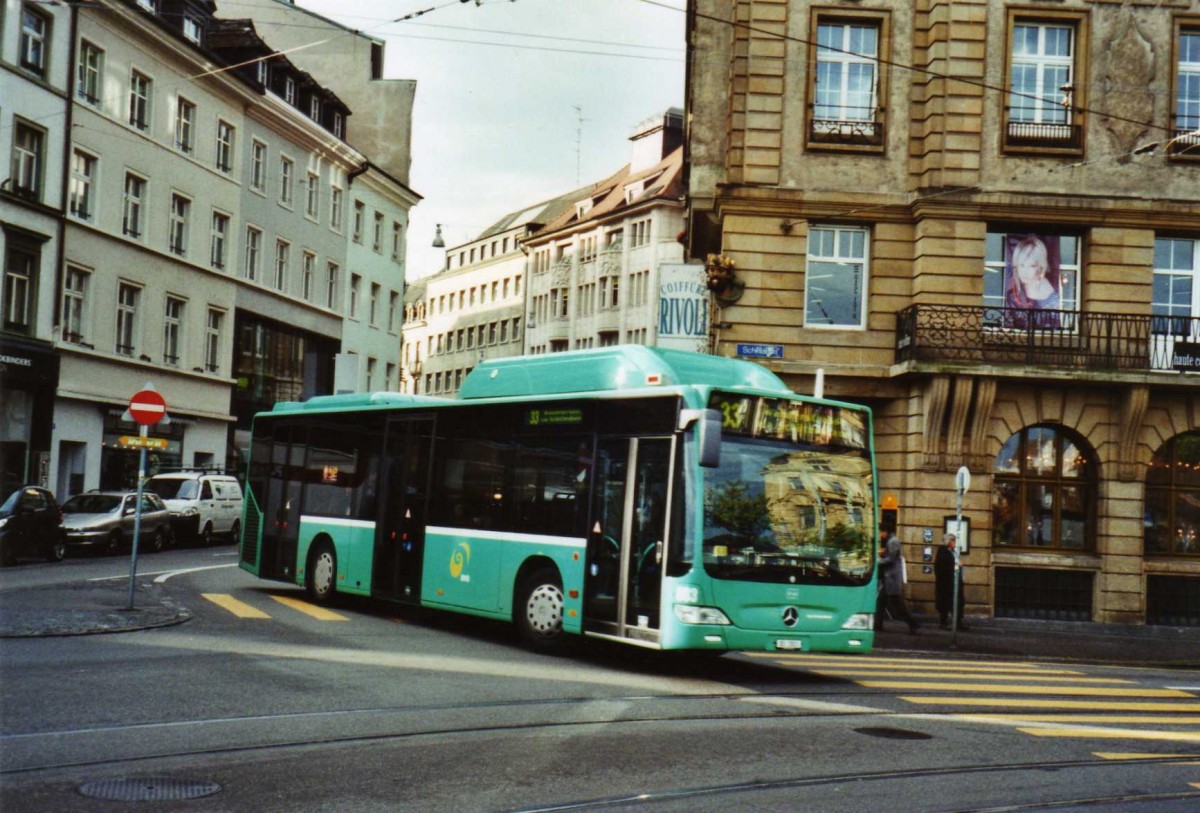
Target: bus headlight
700, 615
860, 621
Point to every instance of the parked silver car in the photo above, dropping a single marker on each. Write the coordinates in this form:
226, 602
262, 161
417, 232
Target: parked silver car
105, 520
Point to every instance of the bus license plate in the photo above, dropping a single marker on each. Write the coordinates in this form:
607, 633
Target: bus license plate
784, 643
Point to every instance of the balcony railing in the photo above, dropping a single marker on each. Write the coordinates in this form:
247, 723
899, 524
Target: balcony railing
1031, 135
1046, 338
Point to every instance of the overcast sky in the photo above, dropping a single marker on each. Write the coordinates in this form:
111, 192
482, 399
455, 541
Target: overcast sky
495, 125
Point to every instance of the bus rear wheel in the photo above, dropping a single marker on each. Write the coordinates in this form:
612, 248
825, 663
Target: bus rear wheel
539, 610
320, 577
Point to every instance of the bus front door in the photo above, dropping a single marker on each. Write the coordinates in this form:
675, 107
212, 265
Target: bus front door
400, 533
626, 549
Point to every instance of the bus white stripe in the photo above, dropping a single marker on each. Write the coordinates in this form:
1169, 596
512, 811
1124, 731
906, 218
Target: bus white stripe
513, 536
349, 523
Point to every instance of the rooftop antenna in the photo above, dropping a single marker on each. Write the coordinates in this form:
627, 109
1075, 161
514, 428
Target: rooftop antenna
578, 140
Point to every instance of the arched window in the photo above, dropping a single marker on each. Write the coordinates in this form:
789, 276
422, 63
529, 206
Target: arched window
1044, 491
1172, 520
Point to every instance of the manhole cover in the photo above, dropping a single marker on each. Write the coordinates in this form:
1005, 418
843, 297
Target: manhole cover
894, 733
153, 789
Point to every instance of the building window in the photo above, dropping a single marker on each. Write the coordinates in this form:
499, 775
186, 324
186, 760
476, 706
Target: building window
1044, 491
225, 144
314, 108
331, 283
253, 252
75, 283
312, 199
132, 205
261, 71
283, 257
286, 169
83, 177
192, 28
35, 38
27, 160
212, 340
335, 208
139, 100
185, 126
258, 167
373, 305
1031, 280
172, 328
355, 286
1172, 515
289, 90
1175, 298
393, 310
1186, 132
397, 241
377, 235
846, 83
640, 233
220, 238
389, 381
127, 313
835, 280
370, 374
1043, 96
20, 287
360, 213
88, 81
339, 125
309, 262
178, 225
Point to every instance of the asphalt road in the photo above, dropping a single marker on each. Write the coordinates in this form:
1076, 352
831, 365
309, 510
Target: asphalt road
261, 702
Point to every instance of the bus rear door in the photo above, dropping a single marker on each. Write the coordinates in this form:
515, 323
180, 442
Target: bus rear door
400, 534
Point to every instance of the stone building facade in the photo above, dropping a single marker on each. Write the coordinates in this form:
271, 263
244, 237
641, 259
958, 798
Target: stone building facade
983, 220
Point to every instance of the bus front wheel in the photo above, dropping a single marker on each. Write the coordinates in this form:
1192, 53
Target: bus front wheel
539, 610
320, 577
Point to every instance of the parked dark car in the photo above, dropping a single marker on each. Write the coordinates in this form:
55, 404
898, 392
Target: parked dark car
30, 525
105, 520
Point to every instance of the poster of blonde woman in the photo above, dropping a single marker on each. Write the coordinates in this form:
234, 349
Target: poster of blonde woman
1032, 281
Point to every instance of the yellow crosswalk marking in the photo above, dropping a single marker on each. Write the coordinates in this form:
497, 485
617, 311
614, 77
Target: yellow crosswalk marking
1119, 755
1005, 688
989, 676
855, 660
319, 613
888, 668
1115, 733
238, 608
1079, 705
1111, 719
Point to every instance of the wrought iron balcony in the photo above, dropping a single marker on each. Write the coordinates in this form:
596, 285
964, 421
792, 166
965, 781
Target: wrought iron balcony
1046, 338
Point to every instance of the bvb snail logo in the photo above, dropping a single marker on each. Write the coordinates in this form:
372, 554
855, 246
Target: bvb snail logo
460, 559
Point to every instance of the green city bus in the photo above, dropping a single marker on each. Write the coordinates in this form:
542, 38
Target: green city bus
661, 498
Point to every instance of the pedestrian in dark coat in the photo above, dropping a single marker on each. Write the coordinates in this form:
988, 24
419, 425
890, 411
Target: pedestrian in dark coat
944, 579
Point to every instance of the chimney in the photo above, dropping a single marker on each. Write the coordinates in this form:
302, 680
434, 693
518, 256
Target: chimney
655, 139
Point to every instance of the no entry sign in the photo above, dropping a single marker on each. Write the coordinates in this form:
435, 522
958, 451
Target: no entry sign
147, 407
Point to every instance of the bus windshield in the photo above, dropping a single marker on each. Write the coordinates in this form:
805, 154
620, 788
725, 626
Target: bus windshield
792, 500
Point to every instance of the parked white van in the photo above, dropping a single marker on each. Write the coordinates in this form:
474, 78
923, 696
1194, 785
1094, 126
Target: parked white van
203, 505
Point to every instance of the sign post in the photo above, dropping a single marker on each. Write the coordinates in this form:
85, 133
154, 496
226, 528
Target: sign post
146, 407
962, 481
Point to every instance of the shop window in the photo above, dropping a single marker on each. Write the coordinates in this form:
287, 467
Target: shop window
1044, 491
1172, 513
1031, 281
1048, 595
836, 277
1173, 601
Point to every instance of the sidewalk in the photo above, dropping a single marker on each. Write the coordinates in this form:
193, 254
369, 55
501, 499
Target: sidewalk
83, 608
1012, 638
95, 607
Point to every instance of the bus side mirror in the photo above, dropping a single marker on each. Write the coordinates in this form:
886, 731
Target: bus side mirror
708, 432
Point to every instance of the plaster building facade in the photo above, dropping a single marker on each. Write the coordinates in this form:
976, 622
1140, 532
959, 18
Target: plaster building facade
471, 310
595, 269
983, 220
207, 195
35, 68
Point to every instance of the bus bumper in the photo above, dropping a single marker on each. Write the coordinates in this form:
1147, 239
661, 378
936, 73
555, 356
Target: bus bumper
714, 637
